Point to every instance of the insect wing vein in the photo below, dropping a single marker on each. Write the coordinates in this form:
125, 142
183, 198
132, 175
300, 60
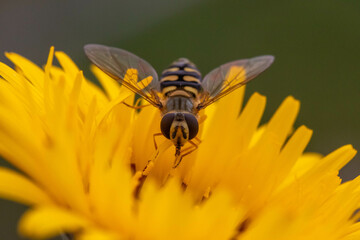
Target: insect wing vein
117, 63
230, 76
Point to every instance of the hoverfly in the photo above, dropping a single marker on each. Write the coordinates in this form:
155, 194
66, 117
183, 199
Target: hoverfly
181, 92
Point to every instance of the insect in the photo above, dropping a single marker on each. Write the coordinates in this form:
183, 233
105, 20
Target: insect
181, 92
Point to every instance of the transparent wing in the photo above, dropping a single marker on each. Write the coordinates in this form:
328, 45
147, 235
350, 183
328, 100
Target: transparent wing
230, 76
115, 62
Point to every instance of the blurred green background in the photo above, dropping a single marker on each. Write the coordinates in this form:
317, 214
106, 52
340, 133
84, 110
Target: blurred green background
316, 45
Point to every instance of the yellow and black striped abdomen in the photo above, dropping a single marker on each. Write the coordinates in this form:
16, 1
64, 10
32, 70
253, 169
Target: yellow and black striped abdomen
182, 78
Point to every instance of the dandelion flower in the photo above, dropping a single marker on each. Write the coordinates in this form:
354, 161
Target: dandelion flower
79, 150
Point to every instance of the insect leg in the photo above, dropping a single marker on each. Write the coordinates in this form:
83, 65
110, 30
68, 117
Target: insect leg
198, 140
150, 163
185, 152
135, 107
156, 135
195, 145
142, 175
191, 149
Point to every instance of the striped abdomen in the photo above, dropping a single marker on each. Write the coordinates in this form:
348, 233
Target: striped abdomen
182, 78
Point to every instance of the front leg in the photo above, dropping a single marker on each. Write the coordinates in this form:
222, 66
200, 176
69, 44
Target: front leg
186, 151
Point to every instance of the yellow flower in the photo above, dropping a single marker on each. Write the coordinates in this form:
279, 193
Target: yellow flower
80, 153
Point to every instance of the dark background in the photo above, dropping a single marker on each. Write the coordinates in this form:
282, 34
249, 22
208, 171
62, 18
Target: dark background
316, 45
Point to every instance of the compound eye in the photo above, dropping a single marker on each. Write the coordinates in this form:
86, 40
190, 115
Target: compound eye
165, 124
193, 125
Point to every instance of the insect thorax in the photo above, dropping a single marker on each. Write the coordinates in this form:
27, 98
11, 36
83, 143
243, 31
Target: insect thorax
179, 104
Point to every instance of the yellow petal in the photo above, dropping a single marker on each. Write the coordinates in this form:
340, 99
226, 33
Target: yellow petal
281, 122
97, 234
21, 189
220, 133
291, 153
111, 185
354, 232
67, 64
45, 222
315, 186
167, 213
111, 87
30, 70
